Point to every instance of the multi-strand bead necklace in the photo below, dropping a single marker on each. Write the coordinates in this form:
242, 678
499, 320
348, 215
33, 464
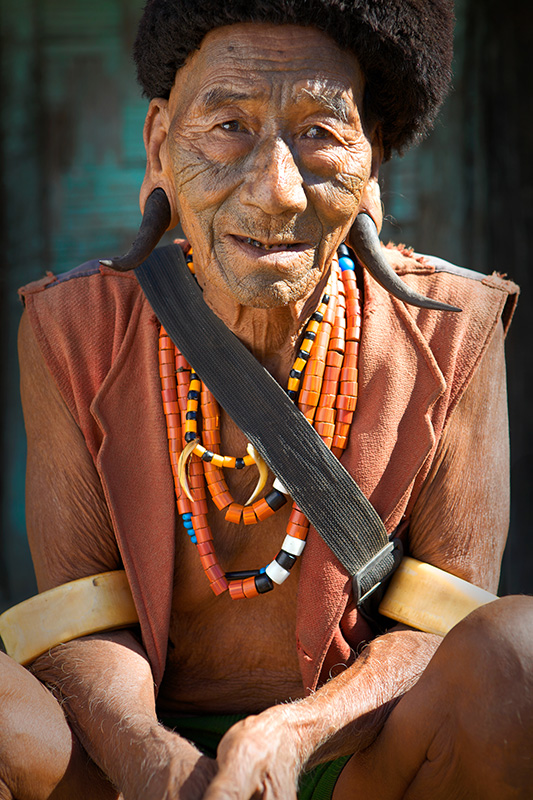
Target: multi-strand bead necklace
323, 383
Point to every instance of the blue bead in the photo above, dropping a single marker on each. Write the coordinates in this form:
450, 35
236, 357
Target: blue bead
188, 524
263, 569
186, 516
194, 540
346, 263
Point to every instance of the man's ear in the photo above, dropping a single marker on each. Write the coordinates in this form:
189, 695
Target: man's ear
158, 172
371, 198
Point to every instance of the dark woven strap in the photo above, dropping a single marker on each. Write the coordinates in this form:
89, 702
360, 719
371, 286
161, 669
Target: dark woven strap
313, 476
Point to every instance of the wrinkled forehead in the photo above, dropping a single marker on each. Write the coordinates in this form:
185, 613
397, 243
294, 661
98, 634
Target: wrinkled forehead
254, 61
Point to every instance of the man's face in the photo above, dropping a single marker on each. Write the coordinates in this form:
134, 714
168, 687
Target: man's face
268, 158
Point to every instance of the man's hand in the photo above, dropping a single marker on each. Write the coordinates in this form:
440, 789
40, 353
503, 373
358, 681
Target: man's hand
172, 768
258, 758
261, 757
199, 778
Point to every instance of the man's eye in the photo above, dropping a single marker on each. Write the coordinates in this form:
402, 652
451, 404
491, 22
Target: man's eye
232, 125
316, 132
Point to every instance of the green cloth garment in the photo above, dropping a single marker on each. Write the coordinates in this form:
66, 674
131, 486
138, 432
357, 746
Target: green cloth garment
207, 731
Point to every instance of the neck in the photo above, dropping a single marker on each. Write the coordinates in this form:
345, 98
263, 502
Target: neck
271, 334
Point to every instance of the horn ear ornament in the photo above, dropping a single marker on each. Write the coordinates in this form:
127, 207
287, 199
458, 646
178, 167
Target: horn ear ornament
155, 221
365, 243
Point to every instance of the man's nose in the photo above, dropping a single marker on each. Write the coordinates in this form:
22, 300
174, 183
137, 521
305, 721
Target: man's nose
274, 183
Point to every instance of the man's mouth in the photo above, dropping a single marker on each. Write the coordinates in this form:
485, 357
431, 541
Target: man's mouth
272, 247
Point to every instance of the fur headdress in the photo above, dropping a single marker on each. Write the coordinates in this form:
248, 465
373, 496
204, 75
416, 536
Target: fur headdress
403, 46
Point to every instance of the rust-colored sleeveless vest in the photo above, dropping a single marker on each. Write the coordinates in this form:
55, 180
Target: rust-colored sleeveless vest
98, 336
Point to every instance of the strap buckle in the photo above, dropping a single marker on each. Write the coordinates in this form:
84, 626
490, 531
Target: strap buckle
373, 575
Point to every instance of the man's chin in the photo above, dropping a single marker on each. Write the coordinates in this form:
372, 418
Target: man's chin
272, 294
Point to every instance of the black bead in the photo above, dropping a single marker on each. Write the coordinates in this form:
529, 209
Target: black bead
240, 575
303, 354
263, 583
325, 298
239, 463
285, 559
207, 456
190, 436
194, 376
317, 316
295, 373
191, 415
342, 250
275, 499
292, 393
310, 335
193, 395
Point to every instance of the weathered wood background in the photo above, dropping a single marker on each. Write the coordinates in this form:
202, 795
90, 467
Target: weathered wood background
72, 163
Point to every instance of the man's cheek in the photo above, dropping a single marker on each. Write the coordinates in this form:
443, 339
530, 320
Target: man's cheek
336, 203
198, 231
206, 185
192, 171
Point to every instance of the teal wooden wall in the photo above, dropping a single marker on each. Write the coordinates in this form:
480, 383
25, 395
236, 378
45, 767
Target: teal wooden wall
72, 162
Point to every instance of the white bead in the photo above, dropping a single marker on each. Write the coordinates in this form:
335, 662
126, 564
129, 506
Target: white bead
293, 545
279, 487
277, 573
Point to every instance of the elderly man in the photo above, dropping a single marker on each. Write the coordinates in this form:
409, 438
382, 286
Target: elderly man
267, 125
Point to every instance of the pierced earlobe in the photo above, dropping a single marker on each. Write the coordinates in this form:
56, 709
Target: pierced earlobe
365, 243
156, 220
371, 203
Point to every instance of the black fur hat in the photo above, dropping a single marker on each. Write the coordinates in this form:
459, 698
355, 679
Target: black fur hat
404, 48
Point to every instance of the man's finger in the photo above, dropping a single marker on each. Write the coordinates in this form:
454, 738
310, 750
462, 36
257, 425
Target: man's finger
231, 786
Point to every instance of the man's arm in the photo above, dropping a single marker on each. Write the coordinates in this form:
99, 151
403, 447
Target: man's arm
459, 524
104, 682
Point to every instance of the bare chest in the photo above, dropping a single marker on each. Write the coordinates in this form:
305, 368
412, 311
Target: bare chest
230, 655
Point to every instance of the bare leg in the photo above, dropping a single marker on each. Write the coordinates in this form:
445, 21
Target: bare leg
40, 757
465, 731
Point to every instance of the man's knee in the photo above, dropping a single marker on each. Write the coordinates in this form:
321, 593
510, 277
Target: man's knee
39, 755
486, 663
35, 742
492, 648
465, 730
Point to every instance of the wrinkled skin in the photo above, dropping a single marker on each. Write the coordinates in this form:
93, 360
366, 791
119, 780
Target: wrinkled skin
262, 137
280, 165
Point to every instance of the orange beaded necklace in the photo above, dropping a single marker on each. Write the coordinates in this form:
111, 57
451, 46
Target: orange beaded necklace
323, 382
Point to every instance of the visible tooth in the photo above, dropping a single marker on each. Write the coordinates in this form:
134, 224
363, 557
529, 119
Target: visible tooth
257, 243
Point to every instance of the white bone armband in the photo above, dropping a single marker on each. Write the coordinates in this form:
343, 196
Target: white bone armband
87, 605
419, 595
429, 599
